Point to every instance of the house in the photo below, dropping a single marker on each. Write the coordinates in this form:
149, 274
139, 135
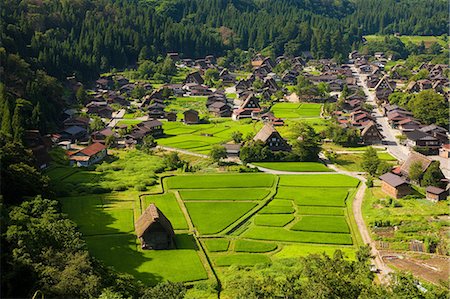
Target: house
194, 77
89, 155
394, 185
100, 136
271, 138
418, 138
437, 132
226, 77
249, 106
370, 134
436, 194
174, 56
154, 230
39, 146
415, 158
444, 151
73, 133
408, 124
220, 109
191, 117
171, 116
77, 121
378, 55
232, 149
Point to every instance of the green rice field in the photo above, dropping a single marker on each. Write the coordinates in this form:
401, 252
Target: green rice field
294, 166
296, 110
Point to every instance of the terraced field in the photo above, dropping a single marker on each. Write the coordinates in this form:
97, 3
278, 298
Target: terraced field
238, 219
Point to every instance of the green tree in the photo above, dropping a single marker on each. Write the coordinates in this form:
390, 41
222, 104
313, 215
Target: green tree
17, 123
258, 84
307, 145
211, 75
81, 95
172, 161
148, 143
370, 161
167, 290
96, 124
426, 101
110, 140
6, 128
433, 176
217, 153
415, 172
237, 136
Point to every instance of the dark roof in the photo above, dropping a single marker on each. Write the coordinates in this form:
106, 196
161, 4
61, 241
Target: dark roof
417, 135
150, 216
265, 133
190, 111
73, 130
434, 190
392, 179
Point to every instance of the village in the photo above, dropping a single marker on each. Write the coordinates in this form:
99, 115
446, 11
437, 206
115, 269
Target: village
261, 104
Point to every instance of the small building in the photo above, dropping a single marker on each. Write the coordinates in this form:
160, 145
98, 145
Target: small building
191, 116
89, 155
220, 109
100, 136
444, 151
73, 133
272, 138
370, 134
154, 230
194, 77
232, 149
436, 194
171, 116
394, 185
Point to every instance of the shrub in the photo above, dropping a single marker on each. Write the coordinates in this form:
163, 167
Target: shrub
140, 187
369, 182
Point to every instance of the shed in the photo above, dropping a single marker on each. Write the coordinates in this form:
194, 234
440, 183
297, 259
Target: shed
394, 185
436, 194
154, 230
270, 137
191, 116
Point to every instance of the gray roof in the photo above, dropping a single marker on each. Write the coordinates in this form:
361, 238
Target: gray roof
392, 179
434, 190
73, 130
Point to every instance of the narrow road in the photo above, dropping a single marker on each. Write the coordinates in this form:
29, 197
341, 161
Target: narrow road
398, 151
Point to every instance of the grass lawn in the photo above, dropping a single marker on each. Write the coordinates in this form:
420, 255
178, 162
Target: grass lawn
253, 246
150, 266
241, 259
352, 162
220, 181
225, 194
213, 217
297, 110
217, 244
308, 196
297, 250
281, 234
319, 180
168, 204
314, 223
295, 166
273, 219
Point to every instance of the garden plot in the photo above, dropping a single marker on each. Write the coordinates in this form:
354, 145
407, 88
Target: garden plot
309, 196
329, 180
315, 223
225, 194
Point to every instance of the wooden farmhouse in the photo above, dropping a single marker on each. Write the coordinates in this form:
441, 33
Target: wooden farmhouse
89, 155
370, 134
394, 185
194, 78
436, 194
412, 159
154, 230
249, 106
191, 116
270, 137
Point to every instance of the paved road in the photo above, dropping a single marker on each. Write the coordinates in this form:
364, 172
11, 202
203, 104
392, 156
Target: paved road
393, 147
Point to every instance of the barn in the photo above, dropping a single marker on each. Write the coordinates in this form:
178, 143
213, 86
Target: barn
154, 230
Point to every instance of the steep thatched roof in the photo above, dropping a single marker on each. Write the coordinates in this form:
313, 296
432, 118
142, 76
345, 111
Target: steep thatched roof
265, 133
392, 179
413, 158
151, 216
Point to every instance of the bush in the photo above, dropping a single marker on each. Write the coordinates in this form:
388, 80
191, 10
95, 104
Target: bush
140, 187
369, 182
120, 187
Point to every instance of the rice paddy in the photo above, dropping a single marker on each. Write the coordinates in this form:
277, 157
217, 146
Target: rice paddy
296, 110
